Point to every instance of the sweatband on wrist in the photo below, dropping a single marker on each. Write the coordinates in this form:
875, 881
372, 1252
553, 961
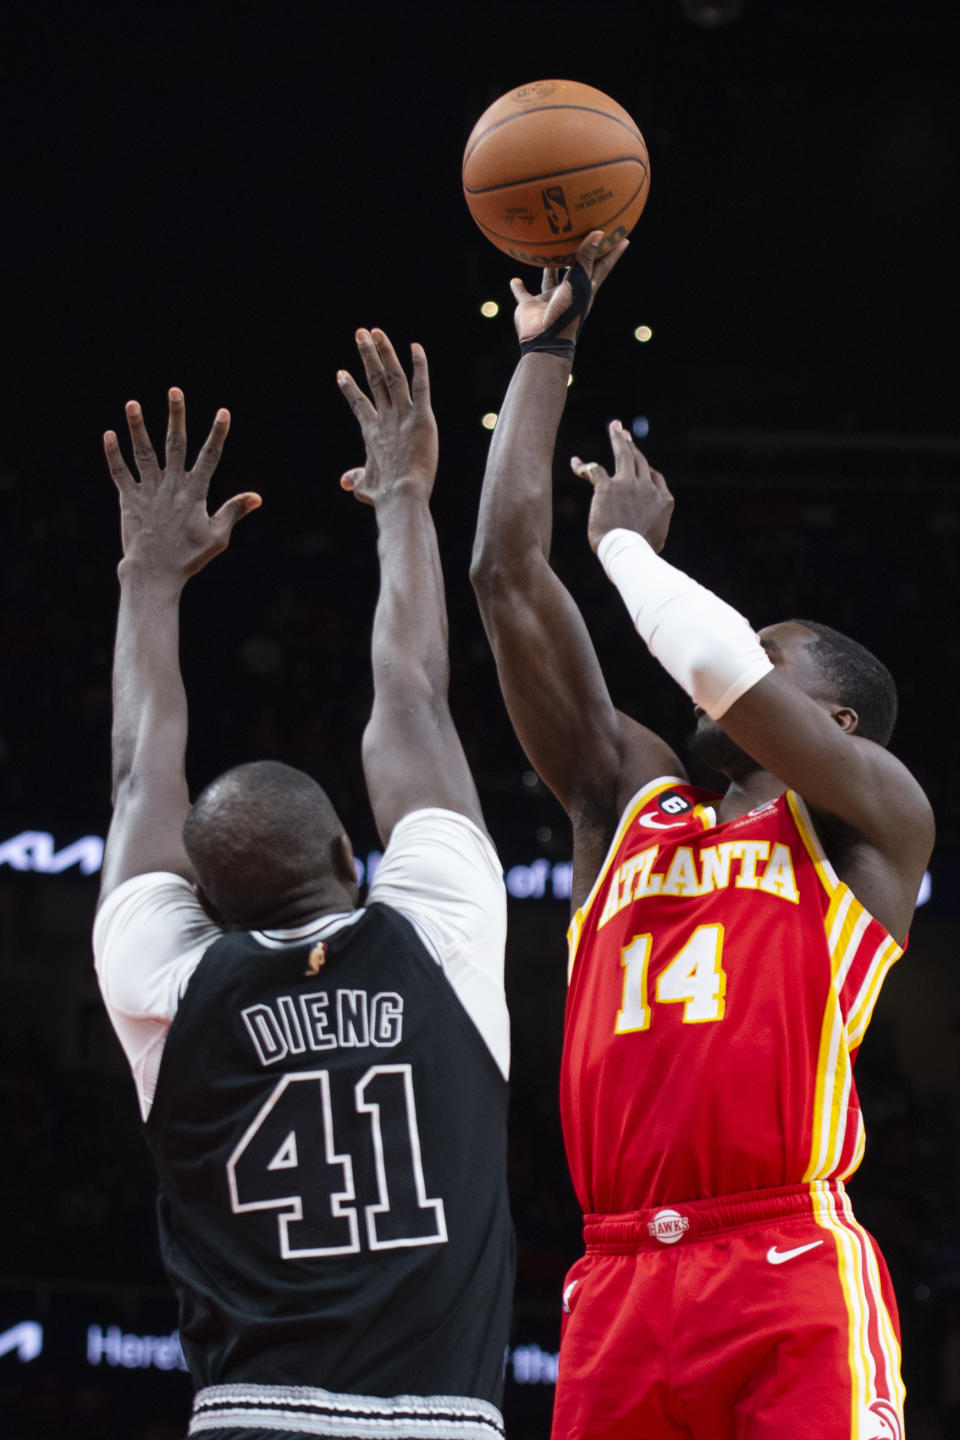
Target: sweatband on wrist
567, 348
581, 295
706, 645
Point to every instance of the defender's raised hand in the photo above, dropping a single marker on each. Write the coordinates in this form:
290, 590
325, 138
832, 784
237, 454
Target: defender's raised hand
398, 425
574, 294
634, 497
164, 520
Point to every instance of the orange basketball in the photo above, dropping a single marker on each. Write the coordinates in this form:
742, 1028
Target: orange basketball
549, 162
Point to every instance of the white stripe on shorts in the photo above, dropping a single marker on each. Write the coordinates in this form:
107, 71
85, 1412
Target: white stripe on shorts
305, 1410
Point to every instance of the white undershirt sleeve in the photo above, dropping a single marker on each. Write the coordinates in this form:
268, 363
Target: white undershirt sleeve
706, 645
148, 938
442, 872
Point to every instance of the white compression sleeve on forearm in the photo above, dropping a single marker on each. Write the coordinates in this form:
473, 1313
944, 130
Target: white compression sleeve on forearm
706, 645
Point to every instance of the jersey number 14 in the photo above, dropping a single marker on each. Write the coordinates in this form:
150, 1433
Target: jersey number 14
288, 1161
694, 977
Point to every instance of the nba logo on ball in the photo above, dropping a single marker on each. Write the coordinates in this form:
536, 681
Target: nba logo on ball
549, 162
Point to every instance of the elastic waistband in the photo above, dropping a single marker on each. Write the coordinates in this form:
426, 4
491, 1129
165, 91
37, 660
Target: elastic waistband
690, 1220
305, 1410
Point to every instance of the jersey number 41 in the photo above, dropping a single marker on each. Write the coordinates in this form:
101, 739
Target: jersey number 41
288, 1161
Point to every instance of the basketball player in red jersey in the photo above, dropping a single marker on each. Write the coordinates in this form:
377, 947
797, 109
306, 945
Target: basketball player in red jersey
726, 952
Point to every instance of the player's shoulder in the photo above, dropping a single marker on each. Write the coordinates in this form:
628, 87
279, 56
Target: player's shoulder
668, 802
155, 900
436, 841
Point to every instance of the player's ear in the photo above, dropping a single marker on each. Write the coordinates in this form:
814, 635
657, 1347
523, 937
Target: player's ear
846, 718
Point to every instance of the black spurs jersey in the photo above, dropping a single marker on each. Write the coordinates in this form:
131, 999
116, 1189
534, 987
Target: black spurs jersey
329, 1130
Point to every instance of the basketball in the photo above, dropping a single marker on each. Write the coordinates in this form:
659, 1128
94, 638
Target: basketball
549, 162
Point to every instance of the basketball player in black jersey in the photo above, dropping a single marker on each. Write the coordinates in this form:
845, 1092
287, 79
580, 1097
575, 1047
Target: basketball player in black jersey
323, 1087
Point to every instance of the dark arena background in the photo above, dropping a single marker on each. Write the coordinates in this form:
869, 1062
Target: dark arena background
215, 197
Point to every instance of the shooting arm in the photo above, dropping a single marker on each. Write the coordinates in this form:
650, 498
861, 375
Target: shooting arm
585, 751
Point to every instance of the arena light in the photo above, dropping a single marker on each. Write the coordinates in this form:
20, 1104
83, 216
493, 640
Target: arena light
489, 421
489, 309
640, 426
643, 333
712, 14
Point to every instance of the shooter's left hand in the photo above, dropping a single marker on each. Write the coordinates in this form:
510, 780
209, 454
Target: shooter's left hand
634, 497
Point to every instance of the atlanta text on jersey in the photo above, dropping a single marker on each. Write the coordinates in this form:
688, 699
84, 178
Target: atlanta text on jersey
759, 866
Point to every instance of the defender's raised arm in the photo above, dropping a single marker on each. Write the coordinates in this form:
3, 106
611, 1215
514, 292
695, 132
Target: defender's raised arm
167, 537
412, 753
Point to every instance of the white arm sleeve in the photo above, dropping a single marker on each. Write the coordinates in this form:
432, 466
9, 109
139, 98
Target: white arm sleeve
148, 938
443, 874
706, 645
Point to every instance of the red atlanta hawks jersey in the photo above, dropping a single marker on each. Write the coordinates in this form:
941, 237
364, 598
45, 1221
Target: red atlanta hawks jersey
722, 979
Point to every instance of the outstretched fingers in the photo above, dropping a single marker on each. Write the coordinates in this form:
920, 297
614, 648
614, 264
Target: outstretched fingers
143, 451
605, 264
381, 367
116, 463
209, 457
631, 461
357, 483
355, 398
590, 470
393, 373
420, 381
627, 458
175, 452
231, 511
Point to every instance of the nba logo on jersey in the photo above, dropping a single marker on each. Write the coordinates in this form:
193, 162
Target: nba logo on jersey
668, 1226
316, 959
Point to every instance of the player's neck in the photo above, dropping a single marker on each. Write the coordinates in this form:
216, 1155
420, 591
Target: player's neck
748, 791
300, 907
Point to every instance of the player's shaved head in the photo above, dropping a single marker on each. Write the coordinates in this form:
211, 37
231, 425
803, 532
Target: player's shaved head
854, 676
827, 665
260, 836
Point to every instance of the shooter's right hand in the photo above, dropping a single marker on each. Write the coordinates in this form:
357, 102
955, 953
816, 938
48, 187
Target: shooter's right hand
536, 313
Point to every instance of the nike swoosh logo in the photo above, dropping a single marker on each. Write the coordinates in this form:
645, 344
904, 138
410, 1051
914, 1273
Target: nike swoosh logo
778, 1257
654, 824
566, 1295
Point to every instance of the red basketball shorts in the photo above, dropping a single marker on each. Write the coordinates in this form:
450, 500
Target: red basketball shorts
763, 1316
